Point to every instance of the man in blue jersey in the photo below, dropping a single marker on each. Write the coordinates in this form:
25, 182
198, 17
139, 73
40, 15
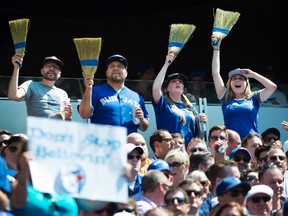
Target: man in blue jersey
112, 103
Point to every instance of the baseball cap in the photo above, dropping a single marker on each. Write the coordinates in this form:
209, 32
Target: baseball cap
235, 72
240, 149
229, 183
119, 58
177, 76
261, 188
129, 147
271, 130
159, 164
53, 59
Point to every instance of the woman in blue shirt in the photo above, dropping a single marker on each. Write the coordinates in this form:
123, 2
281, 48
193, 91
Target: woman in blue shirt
173, 110
240, 106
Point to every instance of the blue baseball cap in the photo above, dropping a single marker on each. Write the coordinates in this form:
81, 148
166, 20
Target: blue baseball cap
119, 58
229, 183
240, 149
159, 164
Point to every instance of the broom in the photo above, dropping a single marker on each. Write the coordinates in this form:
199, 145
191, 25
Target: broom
19, 30
88, 50
179, 35
223, 23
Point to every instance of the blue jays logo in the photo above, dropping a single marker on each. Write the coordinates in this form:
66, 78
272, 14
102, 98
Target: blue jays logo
72, 178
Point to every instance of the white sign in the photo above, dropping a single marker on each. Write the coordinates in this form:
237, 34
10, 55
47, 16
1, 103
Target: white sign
84, 160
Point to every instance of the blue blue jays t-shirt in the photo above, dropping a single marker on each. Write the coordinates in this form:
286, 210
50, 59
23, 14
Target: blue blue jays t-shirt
241, 115
168, 118
115, 108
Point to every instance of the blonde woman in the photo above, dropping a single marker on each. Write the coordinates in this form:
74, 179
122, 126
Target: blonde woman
178, 161
240, 106
173, 110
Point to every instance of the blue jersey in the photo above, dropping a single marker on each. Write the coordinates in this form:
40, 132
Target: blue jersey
110, 107
241, 115
168, 118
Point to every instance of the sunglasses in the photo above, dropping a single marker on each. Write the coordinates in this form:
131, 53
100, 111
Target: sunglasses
268, 139
274, 158
204, 183
193, 150
238, 159
258, 199
196, 193
175, 164
130, 210
250, 178
12, 148
131, 157
171, 201
236, 193
4, 142
216, 138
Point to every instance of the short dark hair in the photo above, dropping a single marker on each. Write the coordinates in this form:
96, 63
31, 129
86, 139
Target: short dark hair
217, 127
156, 136
218, 170
261, 149
244, 142
177, 189
200, 158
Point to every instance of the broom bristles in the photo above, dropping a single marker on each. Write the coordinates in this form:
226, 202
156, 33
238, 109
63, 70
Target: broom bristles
19, 29
88, 50
223, 22
179, 35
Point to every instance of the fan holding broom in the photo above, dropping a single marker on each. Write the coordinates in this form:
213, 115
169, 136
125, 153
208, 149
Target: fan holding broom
240, 106
173, 105
43, 98
112, 103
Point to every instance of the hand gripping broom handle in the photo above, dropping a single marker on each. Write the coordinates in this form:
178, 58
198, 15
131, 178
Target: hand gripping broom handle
219, 30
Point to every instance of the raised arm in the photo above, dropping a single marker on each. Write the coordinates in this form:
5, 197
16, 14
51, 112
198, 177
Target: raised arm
85, 107
157, 84
13, 92
269, 86
19, 187
217, 79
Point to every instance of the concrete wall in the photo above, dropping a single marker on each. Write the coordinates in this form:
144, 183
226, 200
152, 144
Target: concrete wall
13, 117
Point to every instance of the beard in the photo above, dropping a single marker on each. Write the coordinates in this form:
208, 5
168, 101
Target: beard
115, 78
50, 77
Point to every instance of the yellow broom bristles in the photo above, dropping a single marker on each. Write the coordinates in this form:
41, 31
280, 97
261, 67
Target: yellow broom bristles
223, 22
88, 50
19, 29
179, 35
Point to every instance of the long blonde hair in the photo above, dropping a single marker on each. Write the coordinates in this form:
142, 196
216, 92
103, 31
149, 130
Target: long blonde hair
187, 104
230, 94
